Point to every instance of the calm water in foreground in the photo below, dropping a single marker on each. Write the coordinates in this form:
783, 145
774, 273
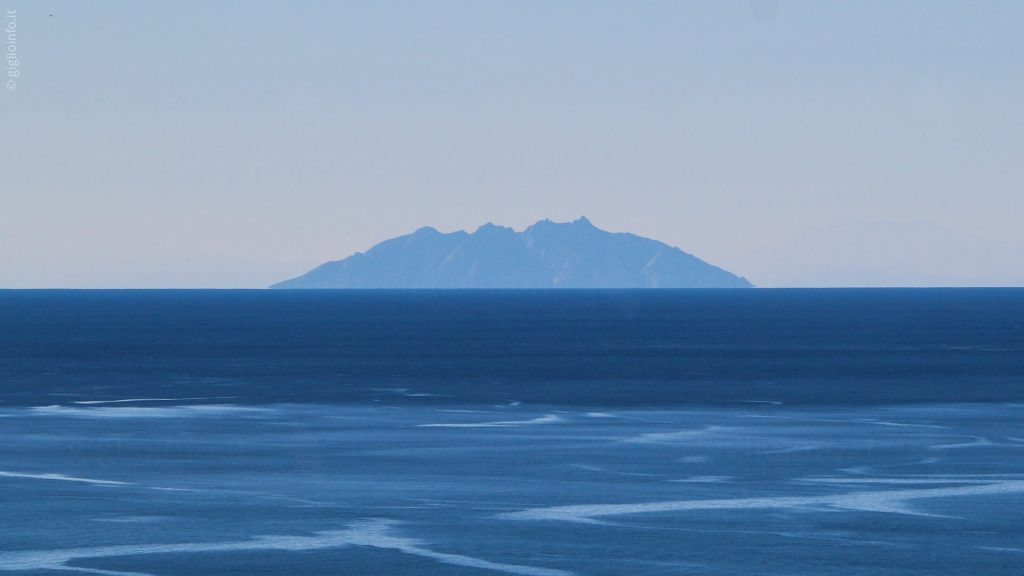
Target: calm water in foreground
789, 432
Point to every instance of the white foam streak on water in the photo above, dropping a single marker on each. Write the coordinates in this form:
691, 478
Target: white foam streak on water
373, 533
147, 411
62, 477
870, 422
806, 447
376, 534
976, 442
887, 501
1002, 549
592, 468
674, 437
841, 480
128, 400
548, 419
900, 424
99, 571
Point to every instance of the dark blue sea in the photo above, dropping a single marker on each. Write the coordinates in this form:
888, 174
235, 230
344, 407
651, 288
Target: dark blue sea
539, 433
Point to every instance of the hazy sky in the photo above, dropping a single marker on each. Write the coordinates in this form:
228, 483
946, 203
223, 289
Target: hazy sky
224, 144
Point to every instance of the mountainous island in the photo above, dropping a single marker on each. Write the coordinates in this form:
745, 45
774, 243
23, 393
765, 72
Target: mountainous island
548, 254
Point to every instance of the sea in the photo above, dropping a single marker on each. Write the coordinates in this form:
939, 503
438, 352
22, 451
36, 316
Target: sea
539, 433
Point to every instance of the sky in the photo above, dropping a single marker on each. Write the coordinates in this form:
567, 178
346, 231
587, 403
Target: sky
235, 144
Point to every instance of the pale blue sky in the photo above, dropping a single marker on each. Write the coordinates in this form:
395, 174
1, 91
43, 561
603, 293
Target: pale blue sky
223, 144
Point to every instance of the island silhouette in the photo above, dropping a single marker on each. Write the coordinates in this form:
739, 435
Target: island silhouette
547, 254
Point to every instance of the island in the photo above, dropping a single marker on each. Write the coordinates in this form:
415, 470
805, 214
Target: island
547, 254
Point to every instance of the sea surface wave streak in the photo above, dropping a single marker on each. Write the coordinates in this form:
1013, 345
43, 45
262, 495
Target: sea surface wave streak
887, 501
62, 478
548, 419
372, 533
